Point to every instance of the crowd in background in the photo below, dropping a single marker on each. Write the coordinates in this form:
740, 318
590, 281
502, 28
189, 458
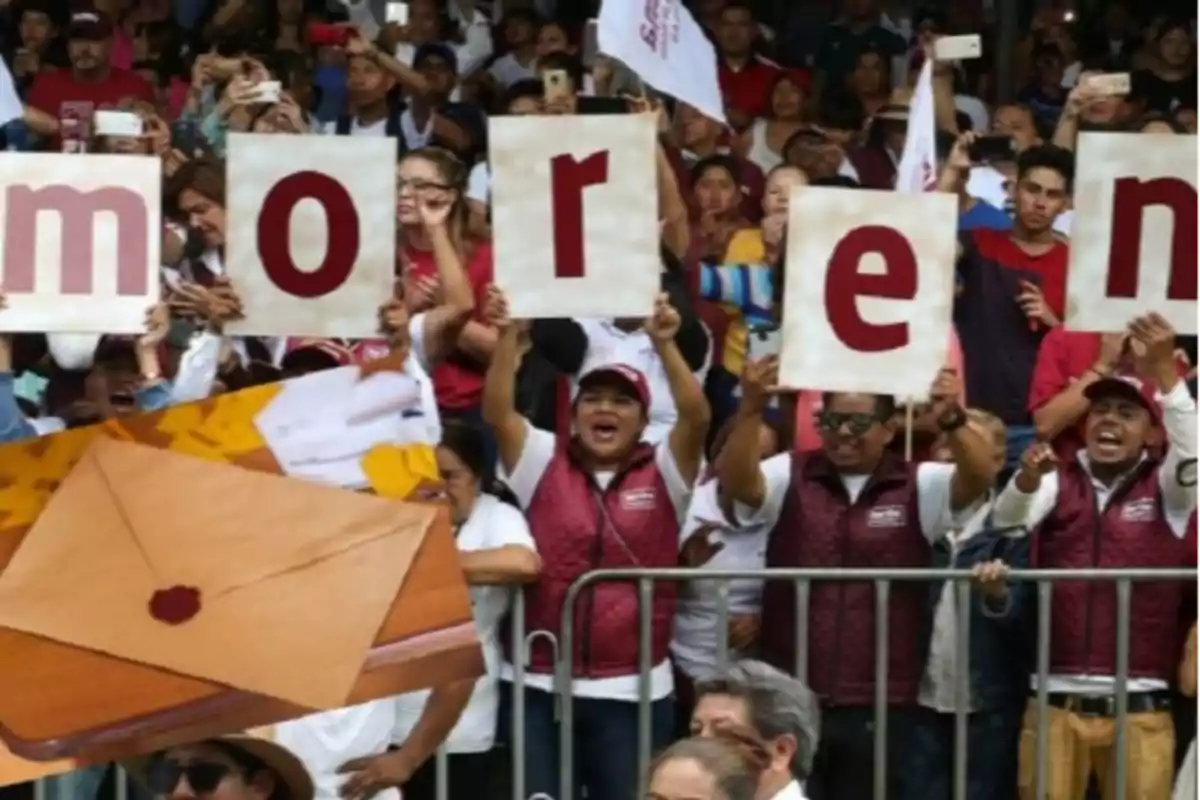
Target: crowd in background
815, 95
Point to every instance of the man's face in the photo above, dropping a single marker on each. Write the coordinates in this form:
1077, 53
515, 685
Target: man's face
1016, 122
735, 32
88, 54
818, 156
717, 712
366, 82
35, 29
439, 75
694, 127
852, 434
205, 216
1116, 430
1041, 195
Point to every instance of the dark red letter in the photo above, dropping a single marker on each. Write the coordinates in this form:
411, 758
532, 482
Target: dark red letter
844, 284
274, 229
1130, 199
77, 214
568, 179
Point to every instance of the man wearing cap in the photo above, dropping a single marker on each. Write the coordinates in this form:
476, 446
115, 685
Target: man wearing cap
92, 83
603, 498
434, 117
1113, 505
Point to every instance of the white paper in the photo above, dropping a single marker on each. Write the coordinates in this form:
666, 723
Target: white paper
620, 235
362, 168
80, 241
815, 356
1102, 160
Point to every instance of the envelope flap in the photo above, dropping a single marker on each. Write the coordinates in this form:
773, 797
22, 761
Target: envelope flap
213, 571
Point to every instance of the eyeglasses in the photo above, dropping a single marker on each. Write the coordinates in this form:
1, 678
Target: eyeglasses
858, 423
202, 776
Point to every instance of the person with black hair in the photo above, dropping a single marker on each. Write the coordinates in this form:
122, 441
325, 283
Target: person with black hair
373, 83
233, 767
1044, 179
954, 161
1171, 79
851, 504
519, 30
746, 78
569, 99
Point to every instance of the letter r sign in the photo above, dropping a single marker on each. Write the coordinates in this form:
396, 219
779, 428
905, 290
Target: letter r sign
79, 248
1133, 240
311, 233
869, 290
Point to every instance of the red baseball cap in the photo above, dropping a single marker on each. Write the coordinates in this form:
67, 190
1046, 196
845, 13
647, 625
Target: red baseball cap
1126, 387
622, 374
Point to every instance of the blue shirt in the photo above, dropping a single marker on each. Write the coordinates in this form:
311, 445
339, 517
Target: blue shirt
984, 215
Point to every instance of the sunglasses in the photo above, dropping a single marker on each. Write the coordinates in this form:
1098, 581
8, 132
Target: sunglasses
202, 776
858, 423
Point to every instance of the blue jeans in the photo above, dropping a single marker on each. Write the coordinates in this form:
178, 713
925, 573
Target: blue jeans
992, 741
606, 746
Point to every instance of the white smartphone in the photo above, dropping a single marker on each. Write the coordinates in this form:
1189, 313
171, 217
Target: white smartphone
397, 13
1112, 84
958, 48
763, 341
116, 123
265, 92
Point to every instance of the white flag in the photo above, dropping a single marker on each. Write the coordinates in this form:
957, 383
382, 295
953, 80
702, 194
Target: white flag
10, 103
917, 171
661, 42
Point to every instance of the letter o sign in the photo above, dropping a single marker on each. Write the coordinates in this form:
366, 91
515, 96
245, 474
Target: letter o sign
274, 234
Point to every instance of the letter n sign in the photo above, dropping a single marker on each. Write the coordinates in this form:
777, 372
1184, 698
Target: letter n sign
869, 290
310, 239
575, 215
80, 247
1133, 240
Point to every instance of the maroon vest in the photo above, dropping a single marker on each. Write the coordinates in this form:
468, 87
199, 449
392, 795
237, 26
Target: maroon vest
579, 527
819, 527
1131, 531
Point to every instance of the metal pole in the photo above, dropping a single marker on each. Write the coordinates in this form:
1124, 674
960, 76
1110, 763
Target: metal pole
645, 664
722, 625
1124, 590
882, 594
1043, 694
802, 589
520, 654
962, 685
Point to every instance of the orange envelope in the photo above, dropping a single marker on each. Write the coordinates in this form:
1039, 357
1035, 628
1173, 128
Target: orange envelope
118, 538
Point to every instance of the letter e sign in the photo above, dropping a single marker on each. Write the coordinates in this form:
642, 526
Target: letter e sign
869, 290
1133, 239
311, 233
575, 214
79, 251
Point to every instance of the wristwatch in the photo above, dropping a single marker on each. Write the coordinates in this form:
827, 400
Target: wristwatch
952, 420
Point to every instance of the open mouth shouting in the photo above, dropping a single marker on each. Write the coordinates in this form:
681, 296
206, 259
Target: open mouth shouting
605, 431
1108, 442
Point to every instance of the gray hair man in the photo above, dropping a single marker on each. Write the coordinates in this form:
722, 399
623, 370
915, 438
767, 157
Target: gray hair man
779, 708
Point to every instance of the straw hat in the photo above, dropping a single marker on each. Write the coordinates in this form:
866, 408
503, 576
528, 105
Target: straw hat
293, 778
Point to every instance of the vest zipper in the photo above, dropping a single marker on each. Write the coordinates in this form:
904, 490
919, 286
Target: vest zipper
1091, 585
834, 673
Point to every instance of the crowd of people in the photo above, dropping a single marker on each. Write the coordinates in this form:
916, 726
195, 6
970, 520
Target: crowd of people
568, 445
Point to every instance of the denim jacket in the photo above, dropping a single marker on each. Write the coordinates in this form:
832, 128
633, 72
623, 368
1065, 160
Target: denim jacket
1000, 655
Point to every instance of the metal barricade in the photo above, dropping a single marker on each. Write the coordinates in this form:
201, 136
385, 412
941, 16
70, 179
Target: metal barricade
882, 580
521, 643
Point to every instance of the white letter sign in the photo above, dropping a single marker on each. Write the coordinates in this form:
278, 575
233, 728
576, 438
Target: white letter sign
869, 290
1133, 244
575, 214
311, 232
81, 238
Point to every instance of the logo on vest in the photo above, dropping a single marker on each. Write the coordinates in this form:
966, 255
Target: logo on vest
1139, 511
638, 500
887, 517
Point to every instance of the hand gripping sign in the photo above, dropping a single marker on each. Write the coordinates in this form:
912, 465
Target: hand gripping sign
80, 247
869, 290
1133, 244
311, 232
575, 214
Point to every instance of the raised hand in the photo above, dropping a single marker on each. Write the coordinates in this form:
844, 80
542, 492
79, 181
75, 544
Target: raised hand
759, 381
945, 391
495, 308
664, 321
158, 325
1037, 461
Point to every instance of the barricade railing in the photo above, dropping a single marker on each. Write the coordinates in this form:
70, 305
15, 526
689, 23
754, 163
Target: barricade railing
882, 579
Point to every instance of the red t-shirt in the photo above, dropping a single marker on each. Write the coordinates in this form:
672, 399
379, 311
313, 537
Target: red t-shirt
458, 382
1050, 266
1064, 355
73, 102
747, 89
